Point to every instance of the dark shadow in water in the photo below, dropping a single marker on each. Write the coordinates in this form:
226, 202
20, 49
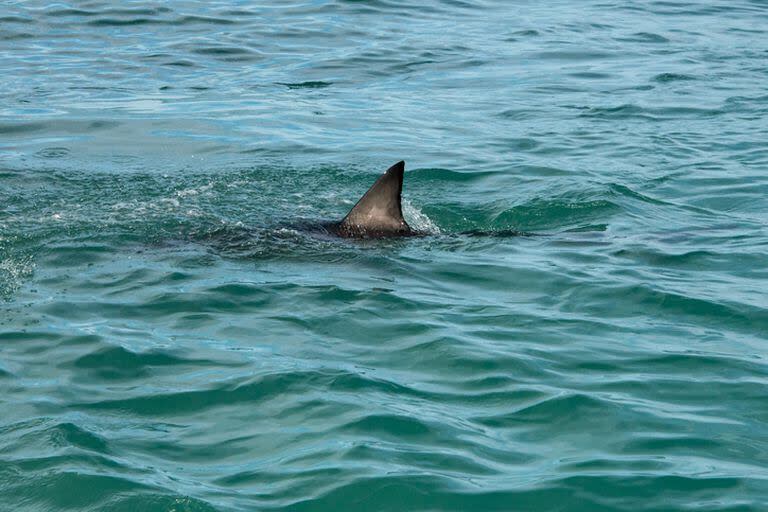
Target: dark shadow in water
308, 238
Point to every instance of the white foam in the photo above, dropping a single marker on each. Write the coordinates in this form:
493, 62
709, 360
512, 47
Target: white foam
195, 190
13, 272
418, 220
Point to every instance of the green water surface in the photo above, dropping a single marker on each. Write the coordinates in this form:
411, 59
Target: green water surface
171, 339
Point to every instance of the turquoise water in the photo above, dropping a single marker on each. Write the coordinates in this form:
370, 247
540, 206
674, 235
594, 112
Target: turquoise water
170, 341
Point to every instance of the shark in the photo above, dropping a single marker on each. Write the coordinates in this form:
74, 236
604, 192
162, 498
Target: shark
379, 213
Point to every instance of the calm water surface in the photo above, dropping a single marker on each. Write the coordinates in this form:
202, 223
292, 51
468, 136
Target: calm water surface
169, 341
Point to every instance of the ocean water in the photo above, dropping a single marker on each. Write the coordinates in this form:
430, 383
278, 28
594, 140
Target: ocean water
171, 341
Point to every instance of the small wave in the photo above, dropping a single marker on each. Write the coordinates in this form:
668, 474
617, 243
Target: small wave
69, 434
192, 19
391, 426
121, 363
442, 174
228, 53
219, 395
92, 489
673, 77
514, 36
121, 22
16, 19
631, 111
644, 37
20, 128
307, 85
556, 213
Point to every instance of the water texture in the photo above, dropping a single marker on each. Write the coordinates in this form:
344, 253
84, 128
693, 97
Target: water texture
171, 340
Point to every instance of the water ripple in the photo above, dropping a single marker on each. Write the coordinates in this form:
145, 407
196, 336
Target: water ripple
582, 327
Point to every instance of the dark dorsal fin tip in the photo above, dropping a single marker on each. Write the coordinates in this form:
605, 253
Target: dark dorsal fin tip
379, 211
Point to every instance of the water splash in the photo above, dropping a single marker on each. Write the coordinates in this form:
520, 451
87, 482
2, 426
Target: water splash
418, 220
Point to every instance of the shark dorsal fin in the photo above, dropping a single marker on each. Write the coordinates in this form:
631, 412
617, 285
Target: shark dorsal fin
379, 211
